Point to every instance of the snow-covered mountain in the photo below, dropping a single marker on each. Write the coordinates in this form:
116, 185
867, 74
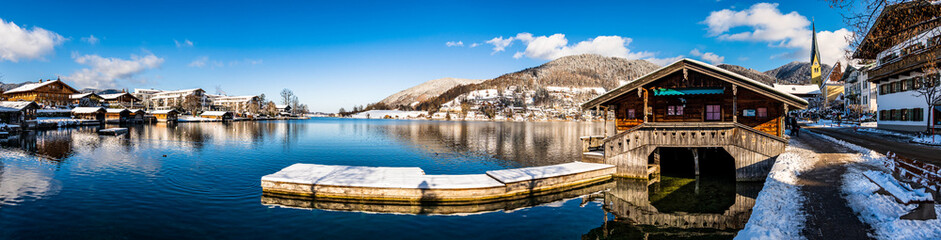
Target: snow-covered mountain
426, 90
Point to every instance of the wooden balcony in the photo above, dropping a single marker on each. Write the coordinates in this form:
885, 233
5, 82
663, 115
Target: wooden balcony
905, 64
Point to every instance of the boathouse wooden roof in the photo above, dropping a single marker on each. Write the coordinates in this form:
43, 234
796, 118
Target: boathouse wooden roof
704, 68
16, 106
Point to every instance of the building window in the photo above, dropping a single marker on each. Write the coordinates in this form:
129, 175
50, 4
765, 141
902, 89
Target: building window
916, 82
713, 113
631, 114
906, 115
762, 112
676, 110
918, 114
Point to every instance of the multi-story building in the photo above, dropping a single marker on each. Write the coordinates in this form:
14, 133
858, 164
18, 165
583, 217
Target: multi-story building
904, 41
239, 105
46, 93
144, 95
121, 100
166, 100
859, 96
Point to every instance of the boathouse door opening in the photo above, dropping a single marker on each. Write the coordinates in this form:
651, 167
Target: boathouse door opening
713, 162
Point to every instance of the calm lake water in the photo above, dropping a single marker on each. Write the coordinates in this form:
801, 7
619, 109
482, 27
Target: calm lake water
202, 180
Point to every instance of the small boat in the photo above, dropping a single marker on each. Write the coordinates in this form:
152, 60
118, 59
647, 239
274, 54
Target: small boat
112, 131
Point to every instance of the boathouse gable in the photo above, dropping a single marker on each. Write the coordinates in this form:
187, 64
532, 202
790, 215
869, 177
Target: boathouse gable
690, 104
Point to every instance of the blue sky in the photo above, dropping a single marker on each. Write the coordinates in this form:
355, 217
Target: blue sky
344, 53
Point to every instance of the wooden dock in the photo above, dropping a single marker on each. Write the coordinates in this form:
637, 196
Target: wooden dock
411, 185
112, 131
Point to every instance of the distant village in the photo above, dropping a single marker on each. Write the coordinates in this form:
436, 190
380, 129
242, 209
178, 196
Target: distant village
53, 103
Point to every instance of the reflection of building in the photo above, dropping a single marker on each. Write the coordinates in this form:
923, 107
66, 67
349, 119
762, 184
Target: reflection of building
904, 41
49, 92
17, 113
690, 104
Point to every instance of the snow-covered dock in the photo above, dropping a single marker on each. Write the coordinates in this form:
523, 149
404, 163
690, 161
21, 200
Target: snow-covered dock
412, 185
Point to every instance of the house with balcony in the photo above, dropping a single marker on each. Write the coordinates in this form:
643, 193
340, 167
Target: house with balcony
48, 93
121, 100
859, 96
699, 108
905, 44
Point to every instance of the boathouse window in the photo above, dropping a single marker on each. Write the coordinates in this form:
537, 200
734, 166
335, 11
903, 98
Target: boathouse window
713, 113
762, 112
631, 114
675, 110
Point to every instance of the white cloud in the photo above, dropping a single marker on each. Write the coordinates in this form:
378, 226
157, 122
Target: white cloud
765, 23
664, 61
183, 44
104, 72
199, 62
455, 44
473, 45
710, 57
556, 46
19, 43
91, 39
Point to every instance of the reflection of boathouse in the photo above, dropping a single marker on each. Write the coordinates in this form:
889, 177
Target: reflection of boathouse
697, 106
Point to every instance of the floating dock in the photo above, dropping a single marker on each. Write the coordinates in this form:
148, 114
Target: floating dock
410, 184
112, 131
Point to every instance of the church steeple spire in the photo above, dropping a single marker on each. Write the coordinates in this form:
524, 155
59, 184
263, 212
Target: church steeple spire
815, 73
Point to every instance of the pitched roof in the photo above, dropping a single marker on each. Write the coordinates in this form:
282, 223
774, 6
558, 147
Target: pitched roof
162, 111
18, 105
117, 95
82, 95
87, 109
117, 110
698, 66
214, 113
33, 86
798, 89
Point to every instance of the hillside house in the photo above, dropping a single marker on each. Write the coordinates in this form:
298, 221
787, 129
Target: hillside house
86, 99
46, 93
693, 106
121, 100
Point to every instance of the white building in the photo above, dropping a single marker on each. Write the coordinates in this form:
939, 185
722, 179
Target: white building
166, 100
237, 104
859, 94
901, 51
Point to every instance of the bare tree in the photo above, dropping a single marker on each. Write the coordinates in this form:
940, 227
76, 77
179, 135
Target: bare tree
286, 96
190, 104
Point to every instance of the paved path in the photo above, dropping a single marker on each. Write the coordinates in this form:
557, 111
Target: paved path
828, 216
883, 143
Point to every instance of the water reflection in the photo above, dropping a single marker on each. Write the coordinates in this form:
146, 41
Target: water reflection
520, 144
22, 178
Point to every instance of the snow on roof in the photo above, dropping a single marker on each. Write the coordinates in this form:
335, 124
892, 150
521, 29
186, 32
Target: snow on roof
18, 105
214, 113
162, 111
115, 95
137, 110
87, 109
711, 67
798, 89
281, 106
81, 95
117, 110
33, 86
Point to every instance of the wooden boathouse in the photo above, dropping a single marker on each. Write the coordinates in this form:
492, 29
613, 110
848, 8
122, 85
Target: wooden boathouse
697, 106
165, 115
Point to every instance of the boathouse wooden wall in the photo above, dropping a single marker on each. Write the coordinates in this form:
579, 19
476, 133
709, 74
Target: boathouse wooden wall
694, 106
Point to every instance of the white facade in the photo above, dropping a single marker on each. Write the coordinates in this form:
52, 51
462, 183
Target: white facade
859, 93
900, 107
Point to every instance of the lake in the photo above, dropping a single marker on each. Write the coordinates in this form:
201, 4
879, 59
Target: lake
202, 180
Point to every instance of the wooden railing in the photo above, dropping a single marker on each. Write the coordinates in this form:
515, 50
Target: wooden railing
693, 134
905, 63
914, 171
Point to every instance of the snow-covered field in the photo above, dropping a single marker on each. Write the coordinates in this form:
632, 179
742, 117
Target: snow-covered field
777, 213
881, 212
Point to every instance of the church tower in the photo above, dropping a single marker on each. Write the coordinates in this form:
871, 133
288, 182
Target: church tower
815, 73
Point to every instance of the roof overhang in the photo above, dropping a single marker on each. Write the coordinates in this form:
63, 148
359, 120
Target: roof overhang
700, 67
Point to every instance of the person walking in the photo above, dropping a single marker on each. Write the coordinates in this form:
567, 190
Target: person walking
795, 128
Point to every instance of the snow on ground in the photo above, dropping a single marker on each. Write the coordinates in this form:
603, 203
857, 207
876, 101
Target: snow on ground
881, 212
64, 121
777, 213
928, 139
880, 131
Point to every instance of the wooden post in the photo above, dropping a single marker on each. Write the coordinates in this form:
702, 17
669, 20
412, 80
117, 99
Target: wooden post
696, 159
781, 123
645, 105
735, 103
605, 116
